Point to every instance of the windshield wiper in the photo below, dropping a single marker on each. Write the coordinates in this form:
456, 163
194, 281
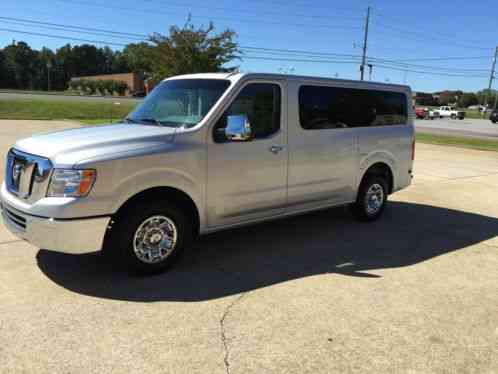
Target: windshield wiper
150, 120
130, 120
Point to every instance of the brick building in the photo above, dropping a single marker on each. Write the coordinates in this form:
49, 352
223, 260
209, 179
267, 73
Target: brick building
135, 81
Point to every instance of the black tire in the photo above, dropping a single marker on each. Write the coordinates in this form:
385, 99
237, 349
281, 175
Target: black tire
119, 248
360, 208
453, 116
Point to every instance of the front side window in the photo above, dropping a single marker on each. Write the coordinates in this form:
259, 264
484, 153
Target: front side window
323, 107
179, 103
261, 104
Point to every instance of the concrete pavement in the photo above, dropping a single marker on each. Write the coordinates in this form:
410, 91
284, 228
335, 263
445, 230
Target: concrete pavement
415, 292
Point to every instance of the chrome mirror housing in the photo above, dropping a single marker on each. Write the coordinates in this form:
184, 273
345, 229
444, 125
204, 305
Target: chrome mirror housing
238, 128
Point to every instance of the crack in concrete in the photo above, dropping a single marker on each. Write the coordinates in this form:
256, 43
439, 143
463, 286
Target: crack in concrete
226, 358
11, 241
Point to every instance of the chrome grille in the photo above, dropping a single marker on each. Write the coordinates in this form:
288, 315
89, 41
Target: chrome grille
27, 175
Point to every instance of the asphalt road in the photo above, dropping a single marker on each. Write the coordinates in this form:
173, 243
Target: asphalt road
476, 128
5, 96
416, 292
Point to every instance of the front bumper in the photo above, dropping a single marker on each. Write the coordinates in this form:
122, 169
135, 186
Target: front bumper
69, 235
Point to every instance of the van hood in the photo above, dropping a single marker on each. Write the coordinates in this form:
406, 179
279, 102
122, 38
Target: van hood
88, 143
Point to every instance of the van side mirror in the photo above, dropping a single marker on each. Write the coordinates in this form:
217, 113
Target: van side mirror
238, 128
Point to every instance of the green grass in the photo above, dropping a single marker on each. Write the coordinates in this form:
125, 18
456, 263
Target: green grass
76, 110
98, 121
458, 141
475, 114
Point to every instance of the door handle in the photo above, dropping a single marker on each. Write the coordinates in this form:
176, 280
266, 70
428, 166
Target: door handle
276, 148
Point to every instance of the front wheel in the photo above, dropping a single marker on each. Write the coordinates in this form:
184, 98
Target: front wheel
371, 199
148, 237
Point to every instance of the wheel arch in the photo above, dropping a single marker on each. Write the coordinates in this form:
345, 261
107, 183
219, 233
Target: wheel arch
175, 195
380, 168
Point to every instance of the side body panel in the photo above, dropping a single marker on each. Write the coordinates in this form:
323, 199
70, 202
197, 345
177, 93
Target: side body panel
245, 180
322, 163
391, 145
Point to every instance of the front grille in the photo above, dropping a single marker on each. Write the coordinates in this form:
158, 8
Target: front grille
27, 175
14, 219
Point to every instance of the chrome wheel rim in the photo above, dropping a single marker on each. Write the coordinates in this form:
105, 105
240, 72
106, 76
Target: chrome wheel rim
374, 199
155, 239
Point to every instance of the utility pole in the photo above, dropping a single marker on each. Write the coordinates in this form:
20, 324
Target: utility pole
491, 78
49, 66
365, 41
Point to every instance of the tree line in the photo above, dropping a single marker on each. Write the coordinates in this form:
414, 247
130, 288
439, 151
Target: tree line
184, 50
459, 98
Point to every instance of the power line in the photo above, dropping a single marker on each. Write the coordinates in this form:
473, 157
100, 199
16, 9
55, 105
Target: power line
423, 38
299, 60
448, 58
74, 27
230, 19
404, 64
247, 11
57, 28
64, 37
429, 72
277, 54
297, 51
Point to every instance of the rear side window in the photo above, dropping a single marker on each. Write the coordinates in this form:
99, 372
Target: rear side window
335, 107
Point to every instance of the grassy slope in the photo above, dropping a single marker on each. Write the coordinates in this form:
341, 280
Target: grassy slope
458, 141
48, 109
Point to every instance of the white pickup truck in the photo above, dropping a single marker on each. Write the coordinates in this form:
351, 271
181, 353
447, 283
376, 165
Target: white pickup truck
449, 111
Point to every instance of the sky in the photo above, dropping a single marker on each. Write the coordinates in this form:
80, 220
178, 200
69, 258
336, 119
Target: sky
429, 45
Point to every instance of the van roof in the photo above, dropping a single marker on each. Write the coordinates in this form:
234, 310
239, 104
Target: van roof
236, 76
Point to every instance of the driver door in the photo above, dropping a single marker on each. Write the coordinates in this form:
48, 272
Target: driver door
247, 179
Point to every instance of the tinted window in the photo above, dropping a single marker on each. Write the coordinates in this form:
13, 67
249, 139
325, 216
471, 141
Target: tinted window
260, 102
335, 107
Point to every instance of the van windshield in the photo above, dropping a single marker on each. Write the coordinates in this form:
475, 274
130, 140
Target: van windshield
179, 103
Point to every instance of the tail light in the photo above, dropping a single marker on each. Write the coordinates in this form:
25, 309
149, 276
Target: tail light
413, 149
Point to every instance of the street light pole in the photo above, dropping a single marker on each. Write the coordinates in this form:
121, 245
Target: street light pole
49, 66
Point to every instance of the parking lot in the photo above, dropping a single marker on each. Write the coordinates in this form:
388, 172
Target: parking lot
415, 292
470, 127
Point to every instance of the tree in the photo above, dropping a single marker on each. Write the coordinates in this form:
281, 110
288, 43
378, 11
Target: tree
447, 97
138, 57
20, 64
190, 50
481, 95
468, 99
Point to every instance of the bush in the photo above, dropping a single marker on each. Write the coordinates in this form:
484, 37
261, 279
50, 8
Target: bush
74, 85
90, 86
109, 86
121, 87
101, 87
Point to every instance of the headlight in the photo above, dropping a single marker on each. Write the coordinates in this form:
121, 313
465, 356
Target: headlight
71, 183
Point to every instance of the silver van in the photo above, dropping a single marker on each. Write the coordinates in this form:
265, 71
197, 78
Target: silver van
208, 152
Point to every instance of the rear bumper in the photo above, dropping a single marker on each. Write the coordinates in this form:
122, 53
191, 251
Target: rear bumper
69, 235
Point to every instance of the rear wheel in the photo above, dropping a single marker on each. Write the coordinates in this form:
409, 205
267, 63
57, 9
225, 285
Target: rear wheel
149, 237
371, 199
453, 116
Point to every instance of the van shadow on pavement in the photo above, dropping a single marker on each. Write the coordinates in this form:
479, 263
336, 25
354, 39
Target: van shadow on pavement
249, 258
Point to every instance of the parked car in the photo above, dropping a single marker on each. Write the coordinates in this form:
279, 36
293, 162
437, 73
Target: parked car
209, 152
426, 113
451, 112
494, 116
421, 113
